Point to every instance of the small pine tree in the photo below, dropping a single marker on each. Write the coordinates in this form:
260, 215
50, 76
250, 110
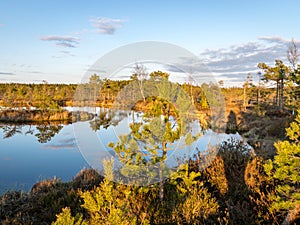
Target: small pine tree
285, 170
65, 218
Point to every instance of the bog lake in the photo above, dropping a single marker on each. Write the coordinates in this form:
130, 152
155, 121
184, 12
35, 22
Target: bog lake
32, 152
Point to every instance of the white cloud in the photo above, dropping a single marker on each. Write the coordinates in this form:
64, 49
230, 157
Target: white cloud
233, 64
59, 146
65, 44
107, 25
67, 53
6, 73
239, 60
62, 144
274, 39
33, 72
64, 41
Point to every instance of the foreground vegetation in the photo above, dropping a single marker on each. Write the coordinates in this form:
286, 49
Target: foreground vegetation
238, 187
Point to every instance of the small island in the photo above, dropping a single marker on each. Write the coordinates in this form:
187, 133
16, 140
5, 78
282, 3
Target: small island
37, 115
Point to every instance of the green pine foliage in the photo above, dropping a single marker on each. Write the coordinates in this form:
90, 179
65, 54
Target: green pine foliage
65, 218
236, 188
187, 201
285, 170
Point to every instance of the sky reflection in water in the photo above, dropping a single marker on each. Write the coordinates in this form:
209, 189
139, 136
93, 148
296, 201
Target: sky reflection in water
37, 152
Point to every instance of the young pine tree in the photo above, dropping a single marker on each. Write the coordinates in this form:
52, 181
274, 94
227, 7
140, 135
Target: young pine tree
285, 170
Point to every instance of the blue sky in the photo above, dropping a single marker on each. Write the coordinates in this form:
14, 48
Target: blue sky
58, 41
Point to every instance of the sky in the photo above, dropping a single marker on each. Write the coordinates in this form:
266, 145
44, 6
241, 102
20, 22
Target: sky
58, 41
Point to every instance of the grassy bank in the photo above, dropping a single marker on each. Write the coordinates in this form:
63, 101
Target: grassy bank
25, 116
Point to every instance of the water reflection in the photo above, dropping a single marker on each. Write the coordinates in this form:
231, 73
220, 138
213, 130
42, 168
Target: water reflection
10, 130
43, 132
26, 155
47, 131
139, 142
105, 118
32, 152
142, 152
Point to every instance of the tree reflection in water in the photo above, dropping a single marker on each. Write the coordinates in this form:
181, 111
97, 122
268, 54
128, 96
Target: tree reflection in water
106, 118
44, 132
47, 131
11, 130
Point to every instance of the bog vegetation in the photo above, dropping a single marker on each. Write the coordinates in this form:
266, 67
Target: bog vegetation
239, 186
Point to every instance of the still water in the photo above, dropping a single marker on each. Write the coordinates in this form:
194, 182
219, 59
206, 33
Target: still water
26, 158
30, 153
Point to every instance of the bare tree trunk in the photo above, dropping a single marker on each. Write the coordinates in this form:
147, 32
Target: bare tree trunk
245, 104
141, 75
192, 96
161, 182
141, 90
277, 93
292, 54
281, 94
161, 185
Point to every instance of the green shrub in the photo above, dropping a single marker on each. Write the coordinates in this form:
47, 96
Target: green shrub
285, 171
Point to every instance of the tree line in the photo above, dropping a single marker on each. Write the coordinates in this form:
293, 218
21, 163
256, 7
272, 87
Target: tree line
95, 92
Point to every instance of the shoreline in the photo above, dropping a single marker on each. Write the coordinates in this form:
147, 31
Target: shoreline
39, 116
